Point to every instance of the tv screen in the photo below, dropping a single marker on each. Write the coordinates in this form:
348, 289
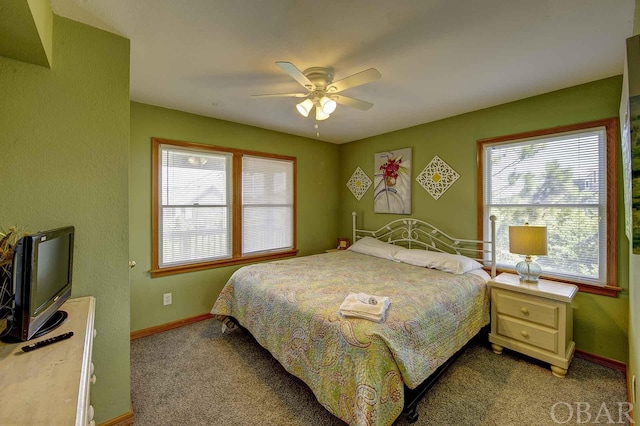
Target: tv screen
53, 271
42, 277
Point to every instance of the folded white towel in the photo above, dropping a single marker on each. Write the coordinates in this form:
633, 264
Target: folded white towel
355, 314
362, 305
365, 303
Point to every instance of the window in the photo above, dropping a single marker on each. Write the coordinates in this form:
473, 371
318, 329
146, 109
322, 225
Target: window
267, 204
565, 179
215, 206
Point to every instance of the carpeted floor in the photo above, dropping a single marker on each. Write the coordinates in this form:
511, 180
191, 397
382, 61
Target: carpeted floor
194, 375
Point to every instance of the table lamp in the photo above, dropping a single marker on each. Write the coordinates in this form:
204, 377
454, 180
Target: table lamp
528, 240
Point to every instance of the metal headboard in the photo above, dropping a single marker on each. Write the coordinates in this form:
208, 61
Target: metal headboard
415, 233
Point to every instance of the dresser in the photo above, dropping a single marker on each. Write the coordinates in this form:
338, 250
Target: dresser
533, 319
50, 385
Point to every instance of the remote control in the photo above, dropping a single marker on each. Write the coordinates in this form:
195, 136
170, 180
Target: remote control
46, 342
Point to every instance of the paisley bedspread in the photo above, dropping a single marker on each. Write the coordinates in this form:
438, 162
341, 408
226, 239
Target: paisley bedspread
356, 368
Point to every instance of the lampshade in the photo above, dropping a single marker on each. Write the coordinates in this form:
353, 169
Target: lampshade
304, 107
328, 105
528, 240
320, 115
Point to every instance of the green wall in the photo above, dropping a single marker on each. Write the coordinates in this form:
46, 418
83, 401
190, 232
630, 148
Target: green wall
43, 19
64, 140
600, 322
194, 292
634, 289
27, 30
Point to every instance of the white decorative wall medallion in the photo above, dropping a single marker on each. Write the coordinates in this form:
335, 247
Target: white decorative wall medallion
359, 183
437, 177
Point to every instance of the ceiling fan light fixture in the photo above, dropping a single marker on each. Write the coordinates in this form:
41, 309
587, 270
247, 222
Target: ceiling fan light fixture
322, 93
304, 107
328, 105
320, 114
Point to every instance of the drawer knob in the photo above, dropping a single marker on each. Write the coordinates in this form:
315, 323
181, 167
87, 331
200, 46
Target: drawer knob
524, 333
524, 311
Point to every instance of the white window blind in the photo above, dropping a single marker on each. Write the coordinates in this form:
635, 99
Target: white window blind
558, 181
195, 207
267, 204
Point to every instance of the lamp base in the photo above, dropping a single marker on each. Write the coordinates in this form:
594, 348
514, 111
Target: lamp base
529, 271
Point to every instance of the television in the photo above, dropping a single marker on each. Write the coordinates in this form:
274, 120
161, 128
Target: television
41, 276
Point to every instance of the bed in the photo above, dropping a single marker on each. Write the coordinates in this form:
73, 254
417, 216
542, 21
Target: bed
365, 372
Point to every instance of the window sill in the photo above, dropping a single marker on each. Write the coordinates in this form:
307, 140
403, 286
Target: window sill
161, 272
602, 291
607, 290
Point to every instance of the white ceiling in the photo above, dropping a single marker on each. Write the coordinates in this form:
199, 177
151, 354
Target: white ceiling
438, 58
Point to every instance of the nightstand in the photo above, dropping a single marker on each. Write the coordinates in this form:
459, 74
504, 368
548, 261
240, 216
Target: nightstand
533, 319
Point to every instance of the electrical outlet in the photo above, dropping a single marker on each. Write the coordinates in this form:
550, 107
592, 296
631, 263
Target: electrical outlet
166, 299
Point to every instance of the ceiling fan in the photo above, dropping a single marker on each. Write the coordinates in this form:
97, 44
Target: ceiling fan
322, 91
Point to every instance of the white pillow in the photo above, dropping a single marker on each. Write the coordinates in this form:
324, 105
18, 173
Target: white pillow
454, 263
481, 273
377, 248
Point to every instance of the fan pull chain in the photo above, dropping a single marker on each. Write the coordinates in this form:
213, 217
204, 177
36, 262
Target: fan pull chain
317, 131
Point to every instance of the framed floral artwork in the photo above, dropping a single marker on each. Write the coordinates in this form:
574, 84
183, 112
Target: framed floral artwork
392, 182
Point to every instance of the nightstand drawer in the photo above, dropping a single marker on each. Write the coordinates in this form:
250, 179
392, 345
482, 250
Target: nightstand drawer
531, 334
526, 308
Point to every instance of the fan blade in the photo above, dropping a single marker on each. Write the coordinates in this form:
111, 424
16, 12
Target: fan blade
296, 74
363, 77
282, 95
352, 102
